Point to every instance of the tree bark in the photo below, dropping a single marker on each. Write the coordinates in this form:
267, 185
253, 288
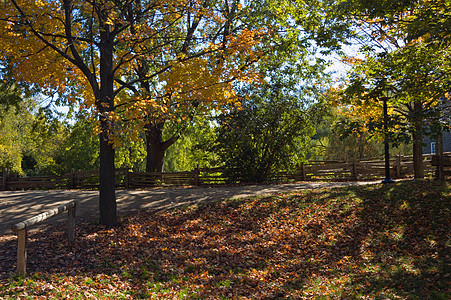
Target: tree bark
155, 146
107, 189
417, 137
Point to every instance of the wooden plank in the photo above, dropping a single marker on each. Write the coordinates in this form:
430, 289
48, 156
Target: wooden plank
38, 178
83, 174
43, 216
22, 235
71, 222
220, 178
29, 185
143, 179
138, 181
446, 161
21, 229
330, 166
333, 171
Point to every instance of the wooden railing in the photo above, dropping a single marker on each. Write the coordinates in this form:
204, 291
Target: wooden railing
124, 179
21, 229
400, 167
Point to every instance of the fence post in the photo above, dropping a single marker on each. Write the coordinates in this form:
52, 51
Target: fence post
22, 251
21, 229
302, 171
71, 211
196, 176
354, 170
4, 179
71, 183
126, 179
398, 165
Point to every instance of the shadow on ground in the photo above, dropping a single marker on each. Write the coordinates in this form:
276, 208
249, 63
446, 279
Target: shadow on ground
16, 206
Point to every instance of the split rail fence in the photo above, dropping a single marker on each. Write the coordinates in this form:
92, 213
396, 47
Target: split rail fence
400, 167
21, 229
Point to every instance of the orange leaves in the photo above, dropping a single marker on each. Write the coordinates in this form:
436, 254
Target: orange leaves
34, 61
170, 60
324, 243
196, 79
350, 60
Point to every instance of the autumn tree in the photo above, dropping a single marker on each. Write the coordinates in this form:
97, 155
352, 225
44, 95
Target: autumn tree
428, 20
67, 46
416, 79
399, 59
285, 30
201, 77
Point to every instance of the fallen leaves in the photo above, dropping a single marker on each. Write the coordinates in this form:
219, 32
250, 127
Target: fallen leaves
373, 241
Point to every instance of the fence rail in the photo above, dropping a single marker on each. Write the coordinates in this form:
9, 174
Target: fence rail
400, 167
21, 229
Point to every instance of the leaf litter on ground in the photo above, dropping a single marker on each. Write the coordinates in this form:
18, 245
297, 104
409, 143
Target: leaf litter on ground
376, 241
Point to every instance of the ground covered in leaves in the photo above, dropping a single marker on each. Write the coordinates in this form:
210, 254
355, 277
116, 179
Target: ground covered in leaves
375, 242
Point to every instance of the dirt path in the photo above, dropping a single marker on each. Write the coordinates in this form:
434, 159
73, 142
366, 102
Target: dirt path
16, 206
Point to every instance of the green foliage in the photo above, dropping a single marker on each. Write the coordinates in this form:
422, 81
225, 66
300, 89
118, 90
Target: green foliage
29, 138
42, 140
412, 74
13, 92
9, 137
191, 149
80, 150
130, 154
266, 134
428, 20
38, 143
13, 104
402, 57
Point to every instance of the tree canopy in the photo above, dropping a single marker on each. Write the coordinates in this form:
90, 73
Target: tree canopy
410, 64
119, 47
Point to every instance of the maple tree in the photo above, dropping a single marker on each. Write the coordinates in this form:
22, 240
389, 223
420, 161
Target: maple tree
410, 67
292, 29
200, 79
428, 20
417, 78
117, 49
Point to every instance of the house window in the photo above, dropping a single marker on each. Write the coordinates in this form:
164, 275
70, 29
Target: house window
433, 150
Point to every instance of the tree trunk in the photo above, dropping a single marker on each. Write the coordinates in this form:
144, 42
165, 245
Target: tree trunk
417, 137
155, 146
107, 189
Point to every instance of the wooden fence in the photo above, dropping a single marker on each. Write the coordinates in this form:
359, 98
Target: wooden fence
124, 179
400, 167
21, 229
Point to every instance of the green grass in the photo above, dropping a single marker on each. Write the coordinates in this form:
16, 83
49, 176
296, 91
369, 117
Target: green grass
367, 242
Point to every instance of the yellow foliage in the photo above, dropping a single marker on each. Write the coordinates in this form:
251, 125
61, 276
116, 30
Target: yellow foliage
199, 79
